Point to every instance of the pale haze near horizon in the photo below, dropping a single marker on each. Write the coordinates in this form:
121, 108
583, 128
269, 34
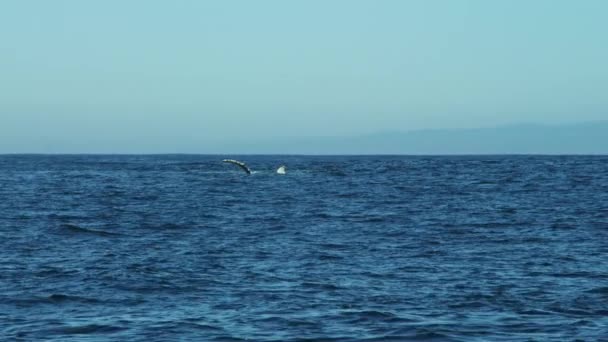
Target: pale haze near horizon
168, 76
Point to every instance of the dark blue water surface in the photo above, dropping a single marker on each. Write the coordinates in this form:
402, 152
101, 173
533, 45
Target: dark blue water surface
375, 248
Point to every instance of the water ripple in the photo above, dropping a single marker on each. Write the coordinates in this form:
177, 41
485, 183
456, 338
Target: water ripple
341, 248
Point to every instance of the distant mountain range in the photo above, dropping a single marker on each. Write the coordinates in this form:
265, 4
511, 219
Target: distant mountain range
583, 138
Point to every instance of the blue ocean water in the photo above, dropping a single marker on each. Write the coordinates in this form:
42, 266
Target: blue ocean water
373, 248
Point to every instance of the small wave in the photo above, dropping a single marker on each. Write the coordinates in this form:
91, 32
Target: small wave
420, 334
169, 226
336, 173
283, 321
61, 298
51, 299
349, 195
334, 246
495, 225
188, 324
599, 290
580, 274
472, 304
51, 271
373, 315
370, 219
535, 312
145, 197
74, 229
330, 257
321, 286
64, 217
569, 311
87, 329
430, 253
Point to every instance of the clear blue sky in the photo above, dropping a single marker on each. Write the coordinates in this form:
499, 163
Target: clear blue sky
96, 74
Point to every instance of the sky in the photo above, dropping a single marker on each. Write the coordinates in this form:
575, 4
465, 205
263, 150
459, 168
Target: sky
165, 76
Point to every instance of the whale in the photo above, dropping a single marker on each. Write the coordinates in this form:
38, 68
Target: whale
239, 164
282, 170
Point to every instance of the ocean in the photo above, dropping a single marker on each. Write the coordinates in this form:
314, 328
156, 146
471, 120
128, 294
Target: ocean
340, 248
